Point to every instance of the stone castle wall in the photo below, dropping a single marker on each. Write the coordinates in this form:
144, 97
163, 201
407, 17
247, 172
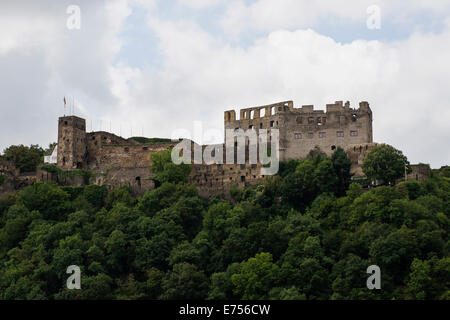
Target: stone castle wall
302, 129
117, 161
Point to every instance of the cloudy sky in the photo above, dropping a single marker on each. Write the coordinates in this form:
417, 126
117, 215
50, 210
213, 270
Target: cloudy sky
157, 66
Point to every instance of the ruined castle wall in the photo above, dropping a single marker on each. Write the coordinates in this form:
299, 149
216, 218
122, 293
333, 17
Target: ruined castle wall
217, 179
420, 172
124, 164
262, 117
302, 129
127, 156
138, 180
117, 161
340, 126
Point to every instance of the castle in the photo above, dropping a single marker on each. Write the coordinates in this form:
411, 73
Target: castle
117, 161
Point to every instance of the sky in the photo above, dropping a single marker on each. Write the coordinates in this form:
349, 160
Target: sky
152, 68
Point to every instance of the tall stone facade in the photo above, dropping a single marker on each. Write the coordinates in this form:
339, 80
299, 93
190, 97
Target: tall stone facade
72, 145
302, 129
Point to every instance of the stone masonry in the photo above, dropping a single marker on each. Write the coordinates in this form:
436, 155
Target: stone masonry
117, 161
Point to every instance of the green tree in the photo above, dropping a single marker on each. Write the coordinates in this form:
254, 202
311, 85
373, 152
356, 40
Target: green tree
24, 158
185, 281
167, 171
256, 278
420, 280
384, 163
341, 166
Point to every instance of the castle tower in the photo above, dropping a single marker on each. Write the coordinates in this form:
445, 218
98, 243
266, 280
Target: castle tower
72, 147
303, 129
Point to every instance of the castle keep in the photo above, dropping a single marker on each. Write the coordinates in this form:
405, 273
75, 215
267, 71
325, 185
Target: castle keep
302, 129
117, 161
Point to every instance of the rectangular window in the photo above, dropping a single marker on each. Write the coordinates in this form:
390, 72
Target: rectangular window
298, 136
353, 133
271, 123
321, 134
340, 133
310, 135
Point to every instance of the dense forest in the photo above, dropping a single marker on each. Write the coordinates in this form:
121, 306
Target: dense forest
307, 233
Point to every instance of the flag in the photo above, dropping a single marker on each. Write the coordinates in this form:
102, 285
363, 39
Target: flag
64, 102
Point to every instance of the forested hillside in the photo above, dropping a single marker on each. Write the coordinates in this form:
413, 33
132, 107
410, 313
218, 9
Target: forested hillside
306, 233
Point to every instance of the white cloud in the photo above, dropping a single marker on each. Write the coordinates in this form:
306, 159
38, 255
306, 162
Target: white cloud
199, 4
41, 61
269, 15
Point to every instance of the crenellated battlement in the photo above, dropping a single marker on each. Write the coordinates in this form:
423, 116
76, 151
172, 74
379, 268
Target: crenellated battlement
288, 106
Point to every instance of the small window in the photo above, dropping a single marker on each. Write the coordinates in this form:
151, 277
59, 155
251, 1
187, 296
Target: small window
127, 149
242, 178
65, 123
333, 147
299, 120
145, 148
340, 133
260, 125
321, 134
271, 123
310, 120
250, 127
310, 135
324, 120
298, 136
353, 133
